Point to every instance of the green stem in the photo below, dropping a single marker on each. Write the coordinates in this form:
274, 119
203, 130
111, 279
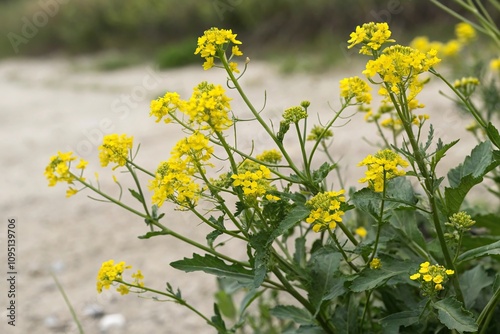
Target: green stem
379, 221
326, 325
485, 317
68, 303
344, 255
111, 199
429, 189
172, 296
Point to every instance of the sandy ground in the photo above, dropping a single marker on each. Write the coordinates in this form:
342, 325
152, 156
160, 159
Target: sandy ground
51, 105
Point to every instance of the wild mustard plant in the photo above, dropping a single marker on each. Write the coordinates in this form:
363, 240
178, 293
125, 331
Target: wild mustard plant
351, 260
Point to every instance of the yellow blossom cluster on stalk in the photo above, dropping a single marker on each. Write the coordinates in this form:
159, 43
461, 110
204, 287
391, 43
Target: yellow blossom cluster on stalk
318, 132
294, 114
355, 88
58, 170
272, 156
382, 167
466, 85
371, 36
432, 278
399, 66
255, 183
464, 35
375, 263
115, 148
213, 45
207, 109
111, 273
174, 179
326, 210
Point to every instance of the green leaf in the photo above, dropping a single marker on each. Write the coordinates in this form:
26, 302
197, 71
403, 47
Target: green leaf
392, 322
441, 151
136, 195
215, 266
153, 234
491, 249
260, 242
323, 171
452, 314
299, 257
225, 303
399, 193
493, 134
370, 279
472, 282
468, 174
406, 222
217, 321
296, 215
297, 315
215, 233
474, 164
325, 283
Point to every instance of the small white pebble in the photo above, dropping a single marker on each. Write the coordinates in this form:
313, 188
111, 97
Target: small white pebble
109, 321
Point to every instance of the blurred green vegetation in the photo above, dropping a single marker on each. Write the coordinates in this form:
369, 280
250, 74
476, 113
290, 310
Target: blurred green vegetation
160, 30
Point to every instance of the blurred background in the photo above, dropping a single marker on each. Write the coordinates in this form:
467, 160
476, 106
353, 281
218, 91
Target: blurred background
74, 70
133, 31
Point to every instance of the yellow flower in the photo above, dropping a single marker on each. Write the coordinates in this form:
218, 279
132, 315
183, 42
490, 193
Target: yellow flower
109, 273
450, 272
165, 105
318, 132
465, 32
272, 156
495, 64
71, 191
427, 278
357, 88
371, 35
451, 49
382, 166
254, 184
326, 210
361, 231
376, 263
123, 289
415, 276
115, 148
58, 168
208, 108
214, 43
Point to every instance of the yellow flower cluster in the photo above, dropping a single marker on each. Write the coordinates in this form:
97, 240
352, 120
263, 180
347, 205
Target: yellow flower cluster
254, 183
318, 132
495, 64
213, 44
371, 35
115, 148
294, 114
271, 156
58, 170
355, 88
165, 105
466, 85
382, 166
174, 179
431, 278
111, 272
375, 263
399, 67
326, 210
207, 109
464, 34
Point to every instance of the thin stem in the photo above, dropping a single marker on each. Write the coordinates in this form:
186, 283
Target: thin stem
344, 255
68, 303
111, 199
485, 317
379, 221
